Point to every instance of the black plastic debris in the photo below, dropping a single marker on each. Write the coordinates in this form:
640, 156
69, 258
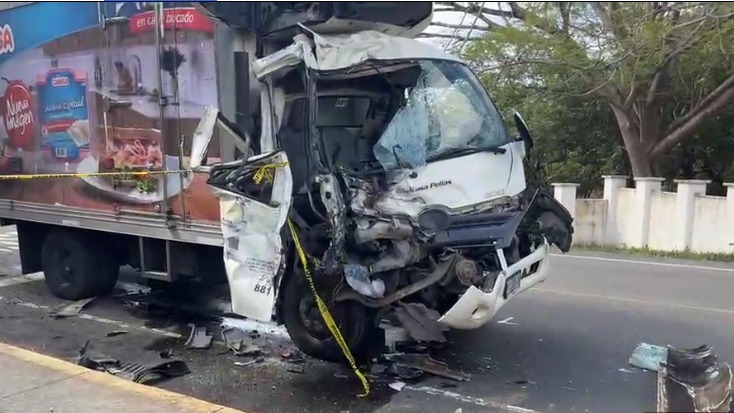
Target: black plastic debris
70, 310
143, 373
421, 323
692, 380
136, 372
199, 338
116, 333
425, 363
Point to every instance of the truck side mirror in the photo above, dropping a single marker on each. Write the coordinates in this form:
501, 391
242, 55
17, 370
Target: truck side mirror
522, 128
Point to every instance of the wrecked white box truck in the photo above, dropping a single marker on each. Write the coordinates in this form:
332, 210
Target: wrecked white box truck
194, 135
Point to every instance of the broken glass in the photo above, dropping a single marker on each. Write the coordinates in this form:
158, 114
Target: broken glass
444, 112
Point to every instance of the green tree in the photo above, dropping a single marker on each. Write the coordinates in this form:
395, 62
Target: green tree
664, 69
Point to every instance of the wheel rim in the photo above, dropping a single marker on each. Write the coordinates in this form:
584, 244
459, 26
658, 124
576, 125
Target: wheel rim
315, 325
63, 270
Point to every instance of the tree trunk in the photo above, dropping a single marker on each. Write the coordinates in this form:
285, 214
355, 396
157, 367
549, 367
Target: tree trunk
639, 158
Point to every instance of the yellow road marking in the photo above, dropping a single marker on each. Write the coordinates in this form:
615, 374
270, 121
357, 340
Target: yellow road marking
634, 301
181, 401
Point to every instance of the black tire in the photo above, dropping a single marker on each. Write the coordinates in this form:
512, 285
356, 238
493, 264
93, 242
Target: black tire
75, 267
355, 322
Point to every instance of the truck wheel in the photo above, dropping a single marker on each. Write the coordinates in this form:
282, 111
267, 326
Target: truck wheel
74, 267
308, 331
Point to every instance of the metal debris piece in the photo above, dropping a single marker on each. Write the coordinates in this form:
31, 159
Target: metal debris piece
143, 373
397, 386
405, 372
239, 342
393, 335
198, 338
425, 363
421, 322
648, 356
136, 372
70, 310
166, 354
376, 368
116, 333
692, 380
250, 362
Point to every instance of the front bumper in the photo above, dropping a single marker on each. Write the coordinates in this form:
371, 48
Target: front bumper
475, 307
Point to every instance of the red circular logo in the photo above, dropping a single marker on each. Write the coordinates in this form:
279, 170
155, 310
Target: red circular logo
18, 117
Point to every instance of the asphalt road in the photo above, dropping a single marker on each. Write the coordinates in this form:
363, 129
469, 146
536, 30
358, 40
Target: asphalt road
562, 347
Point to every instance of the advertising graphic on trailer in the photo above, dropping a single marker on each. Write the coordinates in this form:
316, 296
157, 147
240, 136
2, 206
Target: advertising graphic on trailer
80, 99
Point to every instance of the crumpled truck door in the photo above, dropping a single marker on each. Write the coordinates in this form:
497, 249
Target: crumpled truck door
254, 199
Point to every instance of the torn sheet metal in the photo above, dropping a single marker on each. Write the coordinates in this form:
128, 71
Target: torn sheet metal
424, 362
691, 380
336, 52
421, 322
252, 242
71, 310
239, 342
198, 338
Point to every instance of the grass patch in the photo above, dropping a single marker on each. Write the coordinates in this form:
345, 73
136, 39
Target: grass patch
685, 255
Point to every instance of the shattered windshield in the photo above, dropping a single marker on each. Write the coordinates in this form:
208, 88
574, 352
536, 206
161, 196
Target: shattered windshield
446, 112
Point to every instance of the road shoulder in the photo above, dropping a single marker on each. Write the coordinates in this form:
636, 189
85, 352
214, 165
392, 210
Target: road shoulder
38, 378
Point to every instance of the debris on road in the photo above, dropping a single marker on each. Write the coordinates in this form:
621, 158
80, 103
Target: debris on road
421, 323
136, 372
250, 362
424, 362
692, 380
116, 333
648, 357
166, 354
397, 386
143, 373
199, 338
70, 310
239, 342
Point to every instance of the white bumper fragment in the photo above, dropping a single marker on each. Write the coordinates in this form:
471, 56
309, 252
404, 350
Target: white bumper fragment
475, 307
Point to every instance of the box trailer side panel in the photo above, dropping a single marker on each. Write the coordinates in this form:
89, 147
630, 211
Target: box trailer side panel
94, 87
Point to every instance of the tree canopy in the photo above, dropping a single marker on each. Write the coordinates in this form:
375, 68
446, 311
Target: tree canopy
647, 86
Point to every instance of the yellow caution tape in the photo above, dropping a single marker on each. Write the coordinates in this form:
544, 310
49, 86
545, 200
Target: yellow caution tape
326, 315
90, 174
264, 172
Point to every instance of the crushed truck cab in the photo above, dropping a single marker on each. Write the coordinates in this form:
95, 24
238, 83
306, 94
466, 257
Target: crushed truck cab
187, 139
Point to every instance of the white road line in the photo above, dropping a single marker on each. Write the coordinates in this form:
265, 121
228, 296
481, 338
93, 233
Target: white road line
469, 399
21, 279
661, 264
103, 320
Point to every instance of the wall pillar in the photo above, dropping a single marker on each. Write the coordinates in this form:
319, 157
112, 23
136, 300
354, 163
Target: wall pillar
730, 214
688, 190
565, 194
612, 185
644, 189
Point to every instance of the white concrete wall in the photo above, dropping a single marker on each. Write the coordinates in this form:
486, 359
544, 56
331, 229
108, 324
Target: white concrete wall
708, 234
625, 217
590, 221
646, 217
662, 209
